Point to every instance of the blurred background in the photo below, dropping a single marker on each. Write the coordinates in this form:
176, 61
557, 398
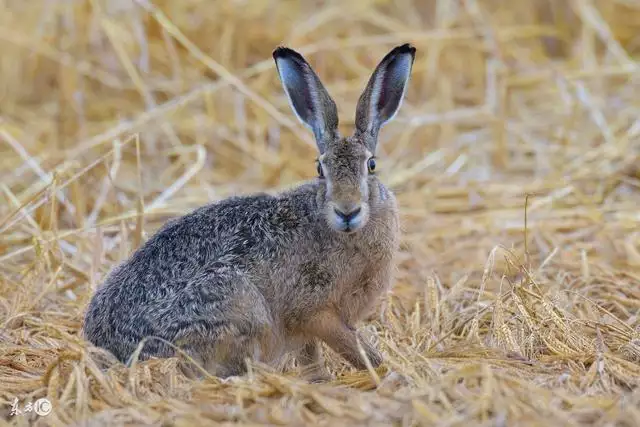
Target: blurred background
116, 115
501, 92
127, 106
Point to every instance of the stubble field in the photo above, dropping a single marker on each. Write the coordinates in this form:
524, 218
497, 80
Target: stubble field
514, 158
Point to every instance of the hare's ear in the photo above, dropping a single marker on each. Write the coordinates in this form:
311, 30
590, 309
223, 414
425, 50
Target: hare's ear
308, 98
385, 91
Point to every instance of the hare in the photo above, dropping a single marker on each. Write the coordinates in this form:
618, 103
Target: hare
261, 276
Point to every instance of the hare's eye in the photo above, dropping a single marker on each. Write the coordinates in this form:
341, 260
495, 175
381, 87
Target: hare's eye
319, 166
371, 165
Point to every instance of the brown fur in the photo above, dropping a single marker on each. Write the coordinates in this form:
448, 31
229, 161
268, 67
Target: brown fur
261, 276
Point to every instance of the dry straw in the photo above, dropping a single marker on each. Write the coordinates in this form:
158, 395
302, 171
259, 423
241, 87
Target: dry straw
119, 114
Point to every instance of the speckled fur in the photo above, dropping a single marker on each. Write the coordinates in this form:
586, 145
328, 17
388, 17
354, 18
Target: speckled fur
262, 275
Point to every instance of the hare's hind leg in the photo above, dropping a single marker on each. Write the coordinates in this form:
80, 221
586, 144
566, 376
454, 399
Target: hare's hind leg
228, 355
224, 320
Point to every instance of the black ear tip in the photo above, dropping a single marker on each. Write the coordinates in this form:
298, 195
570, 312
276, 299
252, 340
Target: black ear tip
285, 52
405, 48
280, 51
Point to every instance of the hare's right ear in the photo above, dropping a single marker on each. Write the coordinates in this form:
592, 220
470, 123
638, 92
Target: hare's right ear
308, 98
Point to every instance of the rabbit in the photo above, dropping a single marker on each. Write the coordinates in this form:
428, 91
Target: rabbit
262, 276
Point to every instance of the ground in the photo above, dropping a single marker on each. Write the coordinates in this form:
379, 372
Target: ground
514, 159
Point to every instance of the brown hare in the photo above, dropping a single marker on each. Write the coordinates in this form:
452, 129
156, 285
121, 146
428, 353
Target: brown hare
260, 276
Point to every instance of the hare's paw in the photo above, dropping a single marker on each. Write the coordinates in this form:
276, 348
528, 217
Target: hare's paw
233, 379
234, 367
374, 356
318, 376
393, 381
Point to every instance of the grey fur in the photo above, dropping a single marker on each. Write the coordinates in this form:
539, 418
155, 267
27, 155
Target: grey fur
263, 275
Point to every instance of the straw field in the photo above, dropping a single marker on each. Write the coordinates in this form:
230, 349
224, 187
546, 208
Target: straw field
515, 160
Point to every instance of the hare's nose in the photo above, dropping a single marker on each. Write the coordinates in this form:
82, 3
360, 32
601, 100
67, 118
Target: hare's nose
349, 215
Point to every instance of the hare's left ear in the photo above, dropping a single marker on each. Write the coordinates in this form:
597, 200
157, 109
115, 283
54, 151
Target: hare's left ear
384, 93
307, 96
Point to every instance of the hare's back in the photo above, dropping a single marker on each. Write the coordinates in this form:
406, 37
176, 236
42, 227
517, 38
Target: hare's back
234, 230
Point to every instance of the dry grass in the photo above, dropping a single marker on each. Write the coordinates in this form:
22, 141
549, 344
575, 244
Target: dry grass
119, 114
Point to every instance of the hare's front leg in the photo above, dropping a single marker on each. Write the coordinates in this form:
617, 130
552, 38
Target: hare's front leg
343, 339
312, 363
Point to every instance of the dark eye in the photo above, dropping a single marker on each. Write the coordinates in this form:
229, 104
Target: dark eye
371, 165
319, 166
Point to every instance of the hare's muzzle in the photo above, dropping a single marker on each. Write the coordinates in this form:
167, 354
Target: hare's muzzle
347, 218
